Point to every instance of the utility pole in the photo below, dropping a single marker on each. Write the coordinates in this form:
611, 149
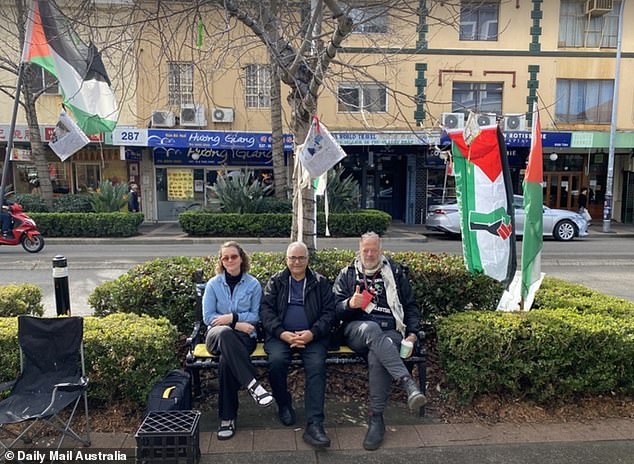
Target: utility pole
609, 187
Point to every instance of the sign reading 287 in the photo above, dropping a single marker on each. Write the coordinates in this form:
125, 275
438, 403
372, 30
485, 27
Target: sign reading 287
129, 136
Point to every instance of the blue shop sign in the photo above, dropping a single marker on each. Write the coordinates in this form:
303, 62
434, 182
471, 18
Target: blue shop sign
216, 140
519, 139
133, 154
210, 157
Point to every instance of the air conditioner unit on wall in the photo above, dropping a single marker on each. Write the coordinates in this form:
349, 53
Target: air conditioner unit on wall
193, 115
486, 119
452, 120
515, 122
222, 115
161, 118
598, 7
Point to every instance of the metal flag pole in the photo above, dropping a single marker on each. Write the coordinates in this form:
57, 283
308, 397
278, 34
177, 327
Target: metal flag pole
609, 185
14, 115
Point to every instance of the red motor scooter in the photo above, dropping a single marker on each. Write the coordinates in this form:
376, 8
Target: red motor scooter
24, 231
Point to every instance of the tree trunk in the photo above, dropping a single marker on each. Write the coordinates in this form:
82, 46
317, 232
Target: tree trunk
277, 132
38, 150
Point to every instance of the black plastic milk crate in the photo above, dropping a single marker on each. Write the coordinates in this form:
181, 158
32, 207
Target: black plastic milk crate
168, 437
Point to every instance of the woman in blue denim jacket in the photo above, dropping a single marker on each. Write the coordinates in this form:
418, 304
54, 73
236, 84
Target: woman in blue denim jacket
230, 309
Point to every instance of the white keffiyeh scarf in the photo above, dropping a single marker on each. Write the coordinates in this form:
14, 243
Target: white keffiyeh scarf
391, 292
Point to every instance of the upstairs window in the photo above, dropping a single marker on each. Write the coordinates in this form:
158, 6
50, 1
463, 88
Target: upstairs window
258, 86
44, 82
578, 29
479, 20
369, 20
180, 83
479, 97
354, 98
586, 101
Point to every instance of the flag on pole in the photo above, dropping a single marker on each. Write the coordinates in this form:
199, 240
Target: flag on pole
532, 241
485, 201
51, 43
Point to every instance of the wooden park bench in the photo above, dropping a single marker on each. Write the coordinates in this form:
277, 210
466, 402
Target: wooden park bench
199, 358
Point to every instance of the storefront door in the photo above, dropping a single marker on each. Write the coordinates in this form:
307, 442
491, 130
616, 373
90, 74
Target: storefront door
627, 212
562, 189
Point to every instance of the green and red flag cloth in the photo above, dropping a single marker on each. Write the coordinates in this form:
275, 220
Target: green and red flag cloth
51, 43
485, 201
532, 242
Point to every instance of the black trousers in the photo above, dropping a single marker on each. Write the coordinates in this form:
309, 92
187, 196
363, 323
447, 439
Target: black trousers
235, 369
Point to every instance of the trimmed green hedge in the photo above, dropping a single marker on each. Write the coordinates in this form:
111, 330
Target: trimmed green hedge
163, 287
279, 225
17, 299
585, 346
88, 224
125, 354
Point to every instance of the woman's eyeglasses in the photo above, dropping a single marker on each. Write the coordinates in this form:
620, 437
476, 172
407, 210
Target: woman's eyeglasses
229, 258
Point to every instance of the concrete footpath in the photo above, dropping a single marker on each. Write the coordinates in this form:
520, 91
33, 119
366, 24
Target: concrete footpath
606, 441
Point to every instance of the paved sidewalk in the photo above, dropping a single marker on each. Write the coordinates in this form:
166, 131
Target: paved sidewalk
608, 441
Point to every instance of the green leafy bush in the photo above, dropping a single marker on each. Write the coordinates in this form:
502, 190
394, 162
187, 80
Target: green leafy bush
17, 299
276, 205
279, 225
73, 203
240, 193
109, 198
125, 354
88, 224
343, 193
31, 203
164, 286
542, 354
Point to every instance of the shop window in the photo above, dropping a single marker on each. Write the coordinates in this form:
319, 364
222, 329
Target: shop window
258, 86
479, 20
584, 101
354, 98
578, 29
180, 83
369, 20
479, 97
43, 81
87, 177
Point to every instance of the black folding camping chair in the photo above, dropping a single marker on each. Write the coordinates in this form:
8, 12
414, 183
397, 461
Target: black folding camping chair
52, 379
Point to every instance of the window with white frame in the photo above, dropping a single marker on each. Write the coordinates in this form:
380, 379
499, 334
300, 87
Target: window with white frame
43, 81
584, 101
180, 83
479, 97
578, 29
258, 86
353, 98
369, 20
479, 20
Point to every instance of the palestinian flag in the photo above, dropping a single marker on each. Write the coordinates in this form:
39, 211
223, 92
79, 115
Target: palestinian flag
532, 241
51, 43
485, 202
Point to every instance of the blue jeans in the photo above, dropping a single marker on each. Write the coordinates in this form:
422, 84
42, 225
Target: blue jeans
6, 222
314, 357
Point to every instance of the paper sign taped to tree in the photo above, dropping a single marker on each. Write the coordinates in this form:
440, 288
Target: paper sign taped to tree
68, 138
320, 150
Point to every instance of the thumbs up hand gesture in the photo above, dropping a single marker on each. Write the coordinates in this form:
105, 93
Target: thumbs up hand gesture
356, 300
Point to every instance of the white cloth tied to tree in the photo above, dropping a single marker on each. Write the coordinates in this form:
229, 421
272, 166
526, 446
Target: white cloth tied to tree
320, 150
68, 138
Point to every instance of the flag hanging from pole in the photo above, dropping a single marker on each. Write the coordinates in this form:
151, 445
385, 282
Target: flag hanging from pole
532, 241
485, 201
51, 43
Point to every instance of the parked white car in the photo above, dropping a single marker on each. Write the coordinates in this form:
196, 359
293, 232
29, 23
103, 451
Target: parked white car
559, 223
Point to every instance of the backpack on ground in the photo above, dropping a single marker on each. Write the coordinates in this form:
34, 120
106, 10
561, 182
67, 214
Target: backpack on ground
172, 392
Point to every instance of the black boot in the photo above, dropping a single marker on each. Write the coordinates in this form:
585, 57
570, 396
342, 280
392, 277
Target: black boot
315, 435
415, 399
376, 431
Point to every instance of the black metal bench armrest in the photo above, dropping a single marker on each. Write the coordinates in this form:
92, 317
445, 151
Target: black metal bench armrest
195, 337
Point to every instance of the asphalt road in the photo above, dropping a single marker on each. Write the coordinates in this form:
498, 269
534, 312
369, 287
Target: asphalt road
603, 263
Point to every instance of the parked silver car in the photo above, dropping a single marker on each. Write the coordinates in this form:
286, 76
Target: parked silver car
559, 223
